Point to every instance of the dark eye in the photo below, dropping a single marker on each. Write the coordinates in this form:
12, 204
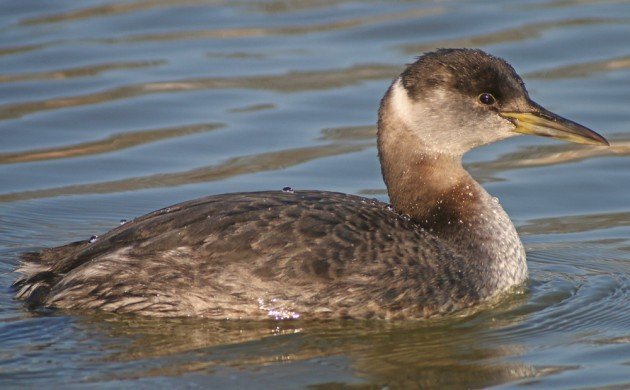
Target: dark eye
487, 99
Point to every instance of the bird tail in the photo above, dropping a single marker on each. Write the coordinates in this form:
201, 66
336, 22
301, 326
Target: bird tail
38, 274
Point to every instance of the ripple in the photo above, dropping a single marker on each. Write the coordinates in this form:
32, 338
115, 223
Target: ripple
583, 70
79, 66
288, 82
548, 155
105, 10
83, 71
254, 107
573, 291
575, 223
145, 5
301, 29
569, 3
110, 144
353, 133
10, 50
516, 34
232, 167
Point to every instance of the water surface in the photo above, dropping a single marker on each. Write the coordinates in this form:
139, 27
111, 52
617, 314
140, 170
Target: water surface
110, 109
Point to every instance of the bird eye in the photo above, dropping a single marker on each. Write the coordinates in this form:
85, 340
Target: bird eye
487, 99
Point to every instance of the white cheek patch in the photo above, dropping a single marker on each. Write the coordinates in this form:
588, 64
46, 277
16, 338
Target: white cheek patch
410, 112
418, 117
401, 104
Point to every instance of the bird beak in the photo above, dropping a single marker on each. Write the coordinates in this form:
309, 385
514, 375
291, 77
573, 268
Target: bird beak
540, 121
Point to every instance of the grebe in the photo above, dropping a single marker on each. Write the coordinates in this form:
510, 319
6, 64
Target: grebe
442, 245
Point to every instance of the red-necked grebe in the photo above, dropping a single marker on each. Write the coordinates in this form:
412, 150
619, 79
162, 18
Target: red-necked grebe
443, 244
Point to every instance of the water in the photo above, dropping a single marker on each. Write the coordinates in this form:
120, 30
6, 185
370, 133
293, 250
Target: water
110, 109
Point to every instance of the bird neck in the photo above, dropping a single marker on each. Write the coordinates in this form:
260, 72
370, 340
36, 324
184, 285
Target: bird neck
432, 188
440, 196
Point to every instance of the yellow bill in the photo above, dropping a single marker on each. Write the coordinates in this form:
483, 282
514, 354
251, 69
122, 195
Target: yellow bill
547, 124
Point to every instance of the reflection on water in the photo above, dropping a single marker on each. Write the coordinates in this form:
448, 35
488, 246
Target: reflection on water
521, 33
549, 155
232, 167
144, 5
112, 108
375, 351
107, 9
576, 223
584, 70
287, 30
112, 143
290, 82
84, 71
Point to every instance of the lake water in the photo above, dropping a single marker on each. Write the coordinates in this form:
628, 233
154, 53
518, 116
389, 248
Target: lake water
110, 109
